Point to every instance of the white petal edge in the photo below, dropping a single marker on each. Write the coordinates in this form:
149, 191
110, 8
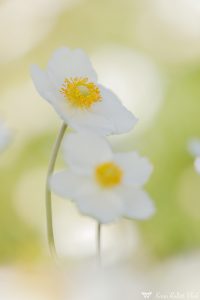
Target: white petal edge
68, 185
136, 169
41, 82
111, 107
5, 136
197, 164
137, 203
48, 91
84, 151
66, 63
194, 147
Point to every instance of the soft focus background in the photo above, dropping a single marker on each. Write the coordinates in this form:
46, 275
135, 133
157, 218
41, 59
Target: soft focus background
148, 52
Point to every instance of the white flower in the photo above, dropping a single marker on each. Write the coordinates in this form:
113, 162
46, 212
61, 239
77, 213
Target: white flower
103, 184
70, 85
194, 149
5, 136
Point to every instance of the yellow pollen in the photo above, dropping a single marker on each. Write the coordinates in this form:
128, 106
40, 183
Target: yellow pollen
80, 92
108, 174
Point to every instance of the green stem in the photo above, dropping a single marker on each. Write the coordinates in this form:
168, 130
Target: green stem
51, 166
99, 242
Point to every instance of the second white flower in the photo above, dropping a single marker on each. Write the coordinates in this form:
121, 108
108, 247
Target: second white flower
103, 184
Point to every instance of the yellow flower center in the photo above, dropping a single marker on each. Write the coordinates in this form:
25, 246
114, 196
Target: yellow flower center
80, 92
108, 174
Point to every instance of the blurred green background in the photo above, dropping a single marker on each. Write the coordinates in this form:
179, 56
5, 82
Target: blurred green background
149, 54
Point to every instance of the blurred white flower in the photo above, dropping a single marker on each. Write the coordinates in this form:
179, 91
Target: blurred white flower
194, 148
197, 164
186, 23
70, 85
27, 22
170, 29
5, 136
103, 184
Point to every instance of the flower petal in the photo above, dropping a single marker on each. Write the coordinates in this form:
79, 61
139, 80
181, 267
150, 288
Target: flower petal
137, 203
103, 205
83, 151
5, 136
48, 91
61, 106
110, 107
66, 63
194, 147
68, 185
41, 82
85, 120
77, 119
136, 169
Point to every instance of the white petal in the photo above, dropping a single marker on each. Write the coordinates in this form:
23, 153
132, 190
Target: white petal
68, 185
41, 82
136, 169
66, 63
137, 203
61, 106
80, 120
48, 91
83, 151
110, 107
86, 120
194, 147
103, 205
197, 164
5, 136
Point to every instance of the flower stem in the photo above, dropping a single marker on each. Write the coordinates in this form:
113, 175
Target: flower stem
51, 166
99, 242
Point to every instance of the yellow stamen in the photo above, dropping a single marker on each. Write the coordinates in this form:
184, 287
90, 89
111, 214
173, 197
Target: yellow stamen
80, 92
108, 174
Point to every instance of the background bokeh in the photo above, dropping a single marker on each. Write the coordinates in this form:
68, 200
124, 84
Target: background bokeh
148, 52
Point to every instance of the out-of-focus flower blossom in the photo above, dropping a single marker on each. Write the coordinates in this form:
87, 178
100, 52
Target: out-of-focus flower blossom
37, 18
5, 136
167, 33
70, 85
194, 148
103, 184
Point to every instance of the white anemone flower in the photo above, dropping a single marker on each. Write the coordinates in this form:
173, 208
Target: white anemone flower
194, 148
103, 184
70, 85
5, 136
